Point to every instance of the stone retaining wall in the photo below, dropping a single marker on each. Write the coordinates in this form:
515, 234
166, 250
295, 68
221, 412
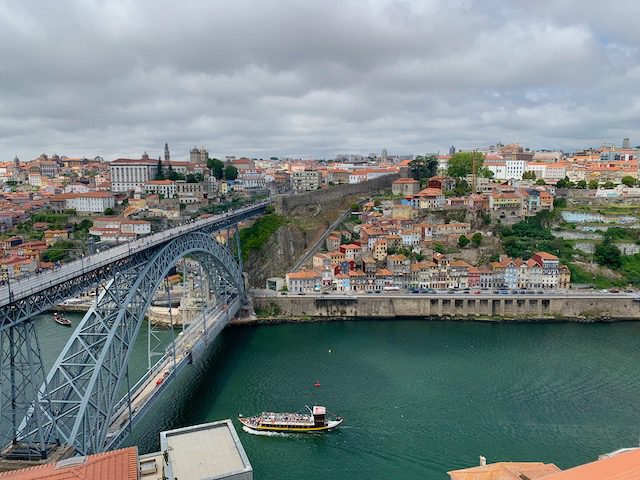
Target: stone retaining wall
285, 203
521, 307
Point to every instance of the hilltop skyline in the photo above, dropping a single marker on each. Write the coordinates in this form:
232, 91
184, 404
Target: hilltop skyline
301, 80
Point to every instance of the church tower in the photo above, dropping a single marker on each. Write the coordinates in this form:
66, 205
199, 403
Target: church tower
167, 156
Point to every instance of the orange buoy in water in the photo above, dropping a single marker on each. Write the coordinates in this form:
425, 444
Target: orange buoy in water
317, 384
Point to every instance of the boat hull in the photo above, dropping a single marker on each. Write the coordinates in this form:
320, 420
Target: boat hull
291, 429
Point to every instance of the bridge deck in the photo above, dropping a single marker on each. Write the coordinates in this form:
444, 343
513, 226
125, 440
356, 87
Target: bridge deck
188, 347
19, 289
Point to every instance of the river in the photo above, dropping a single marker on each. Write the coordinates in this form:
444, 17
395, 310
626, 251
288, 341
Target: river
419, 397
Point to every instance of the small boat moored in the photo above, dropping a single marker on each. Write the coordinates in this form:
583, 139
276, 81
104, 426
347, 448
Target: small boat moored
316, 420
61, 319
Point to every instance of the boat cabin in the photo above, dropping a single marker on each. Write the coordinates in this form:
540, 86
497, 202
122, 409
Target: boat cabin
319, 414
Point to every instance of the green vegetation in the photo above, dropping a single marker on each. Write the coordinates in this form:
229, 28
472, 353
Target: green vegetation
532, 235
559, 202
160, 171
593, 184
461, 163
407, 253
255, 236
463, 241
582, 184
59, 251
195, 178
217, 167
529, 175
476, 239
173, 175
269, 310
109, 211
230, 172
56, 218
629, 181
424, 167
608, 255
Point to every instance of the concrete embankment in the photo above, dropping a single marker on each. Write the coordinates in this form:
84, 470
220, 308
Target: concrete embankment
582, 308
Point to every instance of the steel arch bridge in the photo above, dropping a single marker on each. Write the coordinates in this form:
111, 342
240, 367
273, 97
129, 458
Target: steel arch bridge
73, 405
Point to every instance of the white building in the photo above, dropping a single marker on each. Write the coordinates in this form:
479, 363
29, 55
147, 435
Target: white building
35, 179
515, 168
90, 202
252, 178
127, 174
166, 188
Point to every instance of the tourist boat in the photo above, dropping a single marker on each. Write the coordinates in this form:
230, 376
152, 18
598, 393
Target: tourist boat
316, 420
61, 320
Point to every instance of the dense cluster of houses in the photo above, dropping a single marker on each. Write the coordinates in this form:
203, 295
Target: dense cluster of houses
394, 247
365, 274
505, 200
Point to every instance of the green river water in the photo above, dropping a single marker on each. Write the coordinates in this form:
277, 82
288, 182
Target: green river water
419, 397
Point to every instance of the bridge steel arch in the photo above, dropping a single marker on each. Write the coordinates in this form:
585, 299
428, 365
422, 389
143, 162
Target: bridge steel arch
75, 403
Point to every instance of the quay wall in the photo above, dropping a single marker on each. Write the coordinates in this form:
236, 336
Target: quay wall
285, 203
497, 307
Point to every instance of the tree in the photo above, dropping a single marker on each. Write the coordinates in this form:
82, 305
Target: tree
540, 182
461, 163
529, 175
217, 167
607, 254
582, 184
160, 172
486, 173
476, 239
609, 185
423, 166
564, 183
230, 172
109, 211
628, 180
461, 188
463, 241
172, 174
593, 184
438, 248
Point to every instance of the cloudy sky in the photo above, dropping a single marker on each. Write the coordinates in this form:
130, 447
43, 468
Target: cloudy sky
315, 78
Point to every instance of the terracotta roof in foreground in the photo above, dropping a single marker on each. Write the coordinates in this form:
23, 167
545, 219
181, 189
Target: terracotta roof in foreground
506, 471
115, 465
620, 466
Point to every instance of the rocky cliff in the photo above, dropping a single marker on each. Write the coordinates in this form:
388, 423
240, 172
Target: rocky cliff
303, 226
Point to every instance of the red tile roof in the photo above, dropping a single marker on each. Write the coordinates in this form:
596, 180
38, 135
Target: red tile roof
115, 465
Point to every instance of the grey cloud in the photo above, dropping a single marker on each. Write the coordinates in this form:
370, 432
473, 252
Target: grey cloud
314, 78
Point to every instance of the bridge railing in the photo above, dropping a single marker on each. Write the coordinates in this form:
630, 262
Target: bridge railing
24, 287
178, 343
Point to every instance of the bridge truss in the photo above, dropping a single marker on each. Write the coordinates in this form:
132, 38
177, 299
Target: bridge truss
73, 404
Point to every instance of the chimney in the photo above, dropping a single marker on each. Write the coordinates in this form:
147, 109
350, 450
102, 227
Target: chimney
483, 461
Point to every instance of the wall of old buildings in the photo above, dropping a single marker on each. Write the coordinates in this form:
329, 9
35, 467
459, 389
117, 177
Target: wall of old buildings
523, 307
286, 203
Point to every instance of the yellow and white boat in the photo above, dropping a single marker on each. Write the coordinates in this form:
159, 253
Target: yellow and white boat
316, 420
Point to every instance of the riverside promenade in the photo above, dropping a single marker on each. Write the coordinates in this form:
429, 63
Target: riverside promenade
572, 306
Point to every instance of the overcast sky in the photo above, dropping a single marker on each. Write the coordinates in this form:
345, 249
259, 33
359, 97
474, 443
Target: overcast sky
315, 78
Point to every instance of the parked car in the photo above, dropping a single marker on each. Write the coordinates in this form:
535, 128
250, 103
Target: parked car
614, 290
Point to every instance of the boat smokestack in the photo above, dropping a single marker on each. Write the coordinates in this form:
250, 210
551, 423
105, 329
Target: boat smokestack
483, 461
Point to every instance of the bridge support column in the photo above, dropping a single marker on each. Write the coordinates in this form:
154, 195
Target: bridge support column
21, 378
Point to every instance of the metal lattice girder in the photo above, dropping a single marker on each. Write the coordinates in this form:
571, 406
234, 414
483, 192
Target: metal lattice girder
37, 294
26, 308
23, 372
85, 380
